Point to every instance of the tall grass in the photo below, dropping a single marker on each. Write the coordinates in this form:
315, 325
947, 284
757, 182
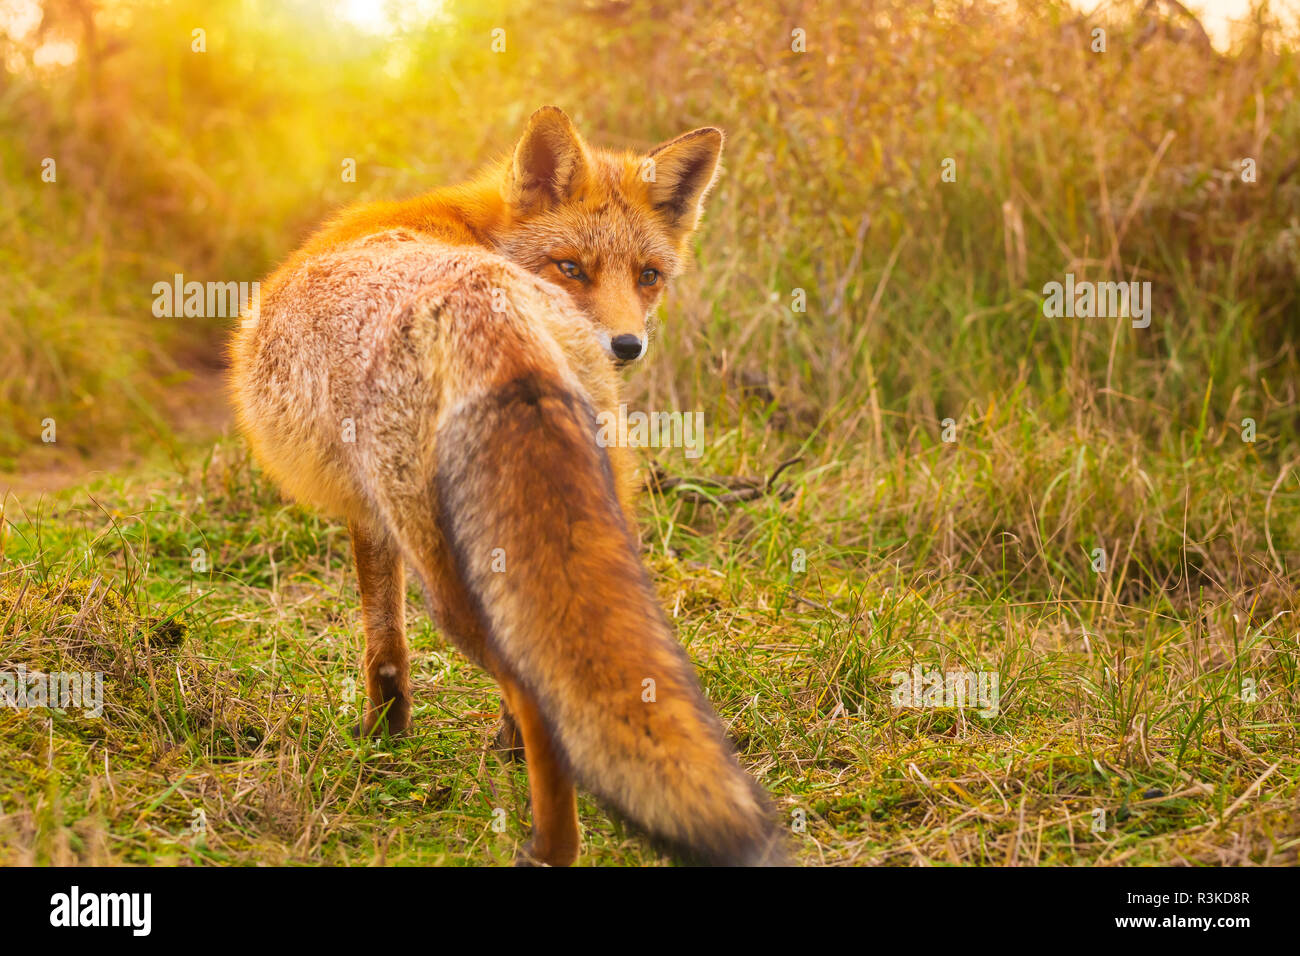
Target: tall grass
923, 295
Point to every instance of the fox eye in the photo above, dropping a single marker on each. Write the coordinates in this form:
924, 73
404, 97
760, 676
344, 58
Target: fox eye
570, 269
649, 276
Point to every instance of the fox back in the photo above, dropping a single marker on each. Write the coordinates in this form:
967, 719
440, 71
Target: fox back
610, 228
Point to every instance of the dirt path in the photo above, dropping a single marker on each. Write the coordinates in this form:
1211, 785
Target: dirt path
197, 411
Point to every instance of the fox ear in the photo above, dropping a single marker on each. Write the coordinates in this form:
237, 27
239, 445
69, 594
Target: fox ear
548, 161
684, 171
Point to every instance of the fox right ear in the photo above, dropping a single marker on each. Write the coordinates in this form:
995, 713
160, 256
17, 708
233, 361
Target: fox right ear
685, 170
548, 161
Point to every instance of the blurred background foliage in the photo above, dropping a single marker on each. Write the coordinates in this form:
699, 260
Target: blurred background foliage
924, 297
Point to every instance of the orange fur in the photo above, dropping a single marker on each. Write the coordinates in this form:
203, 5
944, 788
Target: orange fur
428, 371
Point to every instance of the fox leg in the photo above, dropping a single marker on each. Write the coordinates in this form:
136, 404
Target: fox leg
387, 664
550, 784
509, 741
523, 732
460, 623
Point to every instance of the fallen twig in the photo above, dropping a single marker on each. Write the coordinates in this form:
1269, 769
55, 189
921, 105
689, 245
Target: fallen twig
739, 487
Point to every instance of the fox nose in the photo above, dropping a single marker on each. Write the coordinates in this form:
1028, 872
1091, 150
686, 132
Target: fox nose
626, 347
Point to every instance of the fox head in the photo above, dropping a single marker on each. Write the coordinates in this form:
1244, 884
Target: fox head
610, 228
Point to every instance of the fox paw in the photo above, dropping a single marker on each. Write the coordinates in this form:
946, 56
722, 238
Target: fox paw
509, 742
390, 725
524, 857
530, 855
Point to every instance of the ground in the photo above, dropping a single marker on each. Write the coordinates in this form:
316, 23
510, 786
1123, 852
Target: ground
226, 622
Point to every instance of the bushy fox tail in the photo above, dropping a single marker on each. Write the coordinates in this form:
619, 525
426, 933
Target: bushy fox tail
574, 617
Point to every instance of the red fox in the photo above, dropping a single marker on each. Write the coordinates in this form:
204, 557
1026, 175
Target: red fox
431, 371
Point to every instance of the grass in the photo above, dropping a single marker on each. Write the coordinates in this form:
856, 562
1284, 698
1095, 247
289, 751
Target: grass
1161, 691
231, 692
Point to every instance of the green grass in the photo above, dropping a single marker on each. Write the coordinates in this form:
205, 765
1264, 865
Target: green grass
233, 691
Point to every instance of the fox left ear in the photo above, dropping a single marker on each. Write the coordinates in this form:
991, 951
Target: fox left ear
548, 161
685, 169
